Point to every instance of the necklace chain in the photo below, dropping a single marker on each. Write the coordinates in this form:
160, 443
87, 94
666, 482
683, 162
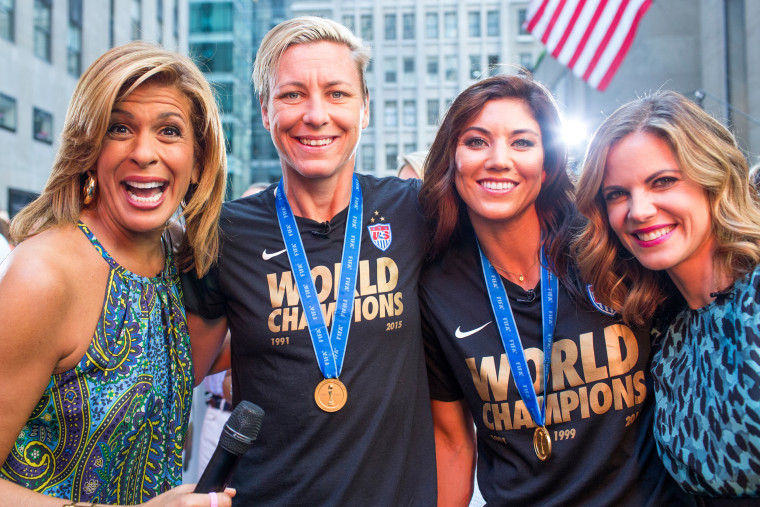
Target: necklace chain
519, 276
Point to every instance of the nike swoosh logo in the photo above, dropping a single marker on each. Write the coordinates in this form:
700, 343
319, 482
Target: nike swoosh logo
266, 256
464, 334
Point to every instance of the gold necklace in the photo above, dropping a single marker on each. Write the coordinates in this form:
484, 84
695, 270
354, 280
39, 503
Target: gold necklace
519, 276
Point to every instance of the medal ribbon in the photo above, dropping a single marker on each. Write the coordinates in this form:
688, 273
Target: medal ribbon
510, 336
329, 348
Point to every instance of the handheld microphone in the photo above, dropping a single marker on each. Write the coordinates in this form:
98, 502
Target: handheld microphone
238, 435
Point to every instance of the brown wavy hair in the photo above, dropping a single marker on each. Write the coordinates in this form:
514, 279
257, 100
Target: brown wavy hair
444, 209
113, 76
707, 154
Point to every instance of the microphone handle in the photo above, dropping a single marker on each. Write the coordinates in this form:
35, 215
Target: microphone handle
218, 472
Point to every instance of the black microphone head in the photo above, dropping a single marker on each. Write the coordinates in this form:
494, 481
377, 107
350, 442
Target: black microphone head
242, 428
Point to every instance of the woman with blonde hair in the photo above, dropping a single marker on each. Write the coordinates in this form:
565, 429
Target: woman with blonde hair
671, 211
96, 375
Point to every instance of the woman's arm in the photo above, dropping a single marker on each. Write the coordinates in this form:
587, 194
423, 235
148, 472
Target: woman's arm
210, 345
455, 452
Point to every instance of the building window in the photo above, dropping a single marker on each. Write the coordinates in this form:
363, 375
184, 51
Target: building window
175, 20
408, 67
74, 46
366, 27
371, 113
522, 15
7, 113
493, 64
432, 69
212, 56
110, 24
391, 156
368, 158
433, 108
526, 60
431, 25
225, 96
390, 69
492, 23
451, 67
42, 26
43, 126
390, 27
475, 68
410, 113
474, 24
211, 17
450, 25
136, 19
348, 22
410, 147
408, 26
391, 113
160, 21
6, 19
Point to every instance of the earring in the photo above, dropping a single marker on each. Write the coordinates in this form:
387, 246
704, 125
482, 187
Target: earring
88, 192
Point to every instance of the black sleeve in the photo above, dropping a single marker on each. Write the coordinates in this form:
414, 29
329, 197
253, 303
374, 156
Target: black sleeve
202, 296
441, 379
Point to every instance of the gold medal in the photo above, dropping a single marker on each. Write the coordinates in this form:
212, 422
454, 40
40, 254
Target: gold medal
330, 395
542, 443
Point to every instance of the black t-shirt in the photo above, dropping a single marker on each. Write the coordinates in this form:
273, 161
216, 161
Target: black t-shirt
600, 403
378, 449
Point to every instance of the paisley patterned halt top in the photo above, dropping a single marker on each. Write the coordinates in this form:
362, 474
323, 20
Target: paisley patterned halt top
706, 370
111, 429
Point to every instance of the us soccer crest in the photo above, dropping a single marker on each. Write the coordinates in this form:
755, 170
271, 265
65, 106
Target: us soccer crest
380, 234
599, 306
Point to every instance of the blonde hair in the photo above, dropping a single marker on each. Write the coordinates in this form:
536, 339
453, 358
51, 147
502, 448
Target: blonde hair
304, 30
707, 154
415, 160
111, 78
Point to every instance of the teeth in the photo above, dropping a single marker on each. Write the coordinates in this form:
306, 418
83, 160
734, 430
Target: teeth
316, 142
501, 185
151, 184
152, 199
652, 235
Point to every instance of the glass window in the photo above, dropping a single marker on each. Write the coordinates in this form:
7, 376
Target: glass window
391, 113
225, 96
7, 112
408, 28
212, 56
43, 126
410, 113
175, 20
475, 68
110, 24
410, 147
42, 26
366, 27
160, 21
229, 135
209, 17
390, 69
136, 16
522, 15
451, 67
349, 22
391, 157
433, 107
450, 25
368, 158
409, 66
474, 23
526, 60
492, 23
390, 27
431, 25
6, 19
74, 45
371, 113
432, 69
493, 64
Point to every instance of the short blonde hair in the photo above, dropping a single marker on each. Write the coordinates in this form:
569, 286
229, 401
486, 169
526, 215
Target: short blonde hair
111, 78
415, 160
304, 30
707, 154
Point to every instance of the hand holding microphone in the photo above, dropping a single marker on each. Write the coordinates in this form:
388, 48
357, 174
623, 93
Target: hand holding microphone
238, 435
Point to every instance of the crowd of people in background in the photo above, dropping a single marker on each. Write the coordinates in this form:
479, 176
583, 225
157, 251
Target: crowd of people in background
554, 342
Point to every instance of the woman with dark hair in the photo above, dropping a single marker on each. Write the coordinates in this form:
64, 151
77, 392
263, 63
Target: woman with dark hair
671, 211
557, 386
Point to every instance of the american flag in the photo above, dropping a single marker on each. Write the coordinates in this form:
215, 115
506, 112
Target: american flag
591, 37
